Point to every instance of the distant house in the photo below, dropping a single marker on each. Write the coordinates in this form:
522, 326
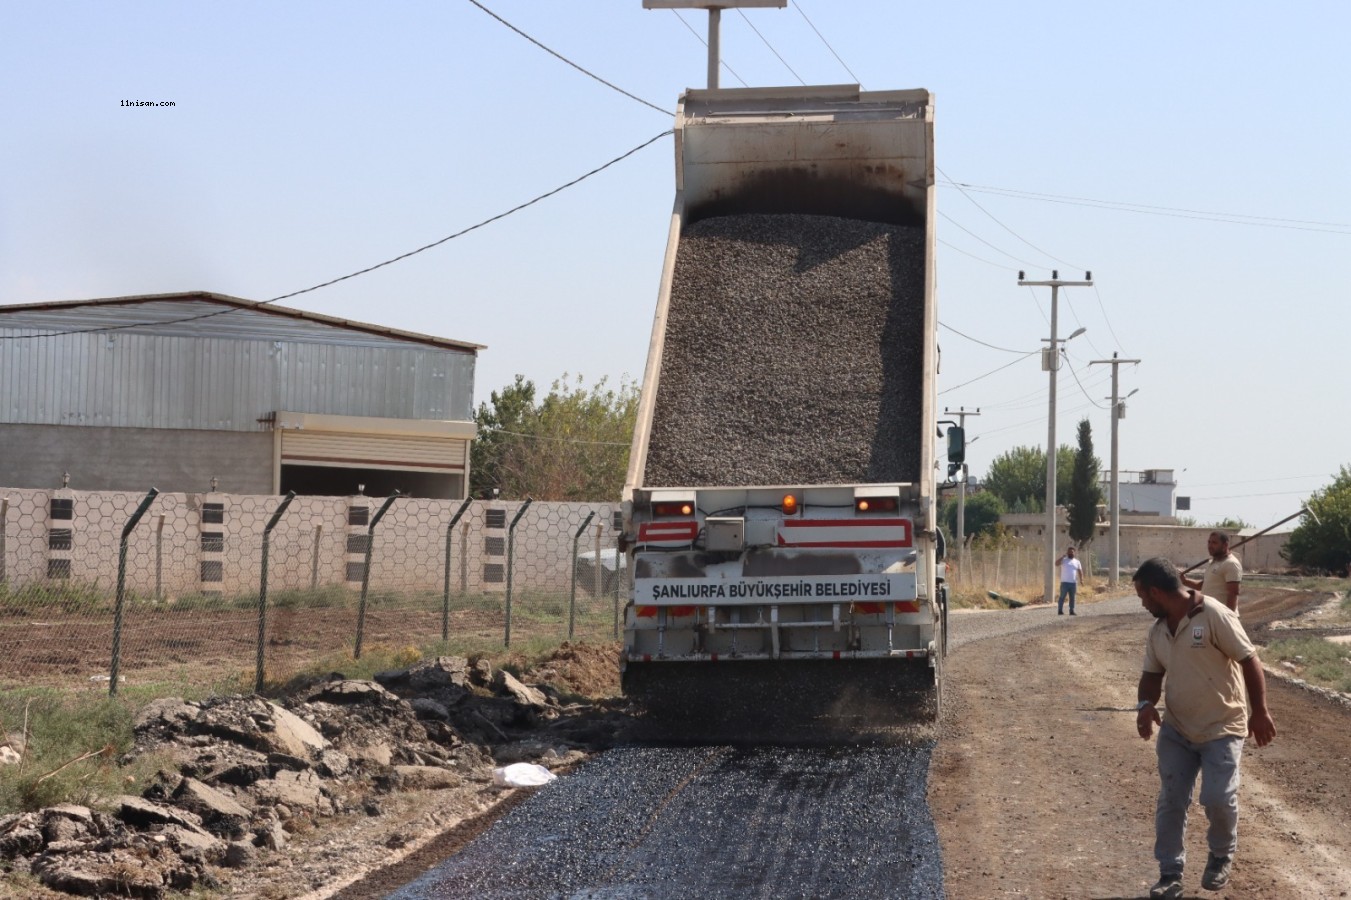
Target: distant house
1149, 493
199, 391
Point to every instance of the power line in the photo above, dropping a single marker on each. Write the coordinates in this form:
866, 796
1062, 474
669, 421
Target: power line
1271, 494
982, 343
1260, 480
1075, 373
952, 246
402, 256
546, 437
1105, 317
1147, 209
767, 44
1045, 253
563, 58
700, 37
987, 243
988, 374
798, 6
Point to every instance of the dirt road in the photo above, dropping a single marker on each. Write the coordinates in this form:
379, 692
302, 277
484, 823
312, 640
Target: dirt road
1040, 786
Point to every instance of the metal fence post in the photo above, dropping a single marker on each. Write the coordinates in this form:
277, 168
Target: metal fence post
262, 590
445, 586
511, 558
314, 560
366, 570
598, 574
618, 578
159, 558
121, 588
4, 526
572, 599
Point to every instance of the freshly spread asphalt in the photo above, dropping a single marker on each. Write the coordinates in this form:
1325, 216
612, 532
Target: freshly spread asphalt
715, 822
709, 823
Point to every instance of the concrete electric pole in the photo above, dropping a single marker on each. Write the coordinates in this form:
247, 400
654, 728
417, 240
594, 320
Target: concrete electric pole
961, 415
715, 8
1114, 489
1051, 362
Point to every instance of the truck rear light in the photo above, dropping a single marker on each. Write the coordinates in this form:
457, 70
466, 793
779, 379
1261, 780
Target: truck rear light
876, 504
789, 505
672, 509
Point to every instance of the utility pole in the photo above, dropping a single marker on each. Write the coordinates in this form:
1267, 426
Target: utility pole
1114, 490
961, 415
715, 8
1051, 362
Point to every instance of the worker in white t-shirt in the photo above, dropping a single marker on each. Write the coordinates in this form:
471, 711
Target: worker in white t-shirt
1071, 573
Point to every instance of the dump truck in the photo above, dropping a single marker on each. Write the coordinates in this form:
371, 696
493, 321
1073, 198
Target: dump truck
784, 568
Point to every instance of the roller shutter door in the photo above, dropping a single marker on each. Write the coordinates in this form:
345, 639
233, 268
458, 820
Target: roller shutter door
403, 453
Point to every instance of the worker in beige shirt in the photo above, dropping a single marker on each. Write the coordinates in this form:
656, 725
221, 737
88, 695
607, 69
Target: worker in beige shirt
1223, 573
1199, 651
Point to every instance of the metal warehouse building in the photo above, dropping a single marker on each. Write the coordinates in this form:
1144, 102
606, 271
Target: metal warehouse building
175, 390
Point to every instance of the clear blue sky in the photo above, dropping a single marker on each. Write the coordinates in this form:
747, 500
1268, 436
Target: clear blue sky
309, 140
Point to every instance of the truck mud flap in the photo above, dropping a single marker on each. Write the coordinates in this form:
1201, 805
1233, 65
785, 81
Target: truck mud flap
786, 702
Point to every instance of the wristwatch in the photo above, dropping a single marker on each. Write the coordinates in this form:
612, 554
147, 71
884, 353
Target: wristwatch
1142, 704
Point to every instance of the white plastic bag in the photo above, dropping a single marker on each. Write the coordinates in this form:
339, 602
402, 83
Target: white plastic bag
522, 775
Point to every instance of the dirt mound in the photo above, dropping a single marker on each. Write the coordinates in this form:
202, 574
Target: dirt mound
585, 670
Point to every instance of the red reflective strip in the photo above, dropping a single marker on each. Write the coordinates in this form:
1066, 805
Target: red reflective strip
680, 610
645, 612
647, 657
713, 657
871, 607
835, 655
907, 606
652, 532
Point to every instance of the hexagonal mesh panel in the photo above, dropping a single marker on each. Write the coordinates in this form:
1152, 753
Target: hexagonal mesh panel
194, 577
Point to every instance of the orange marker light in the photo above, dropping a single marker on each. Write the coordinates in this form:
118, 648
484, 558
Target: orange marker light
861, 505
673, 509
789, 504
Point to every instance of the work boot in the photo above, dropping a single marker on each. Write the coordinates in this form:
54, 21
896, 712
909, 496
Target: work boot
1167, 886
1217, 872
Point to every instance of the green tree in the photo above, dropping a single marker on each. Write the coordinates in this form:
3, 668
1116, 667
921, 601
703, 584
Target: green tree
1018, 477
1325, 543
1085, 492
507, 419
573, 444
983, 510
1230, 524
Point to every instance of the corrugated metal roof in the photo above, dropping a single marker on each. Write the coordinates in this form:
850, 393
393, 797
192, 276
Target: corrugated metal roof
205, 314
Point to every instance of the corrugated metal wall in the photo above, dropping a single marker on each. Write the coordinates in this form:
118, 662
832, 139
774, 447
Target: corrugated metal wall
224, 372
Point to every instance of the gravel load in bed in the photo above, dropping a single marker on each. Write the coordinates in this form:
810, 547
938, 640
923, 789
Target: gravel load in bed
793, 354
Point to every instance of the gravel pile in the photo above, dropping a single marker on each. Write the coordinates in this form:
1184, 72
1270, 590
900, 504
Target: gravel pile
793, 354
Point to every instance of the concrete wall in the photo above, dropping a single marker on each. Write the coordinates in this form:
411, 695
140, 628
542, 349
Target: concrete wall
135, 459
1142, 539
193, 543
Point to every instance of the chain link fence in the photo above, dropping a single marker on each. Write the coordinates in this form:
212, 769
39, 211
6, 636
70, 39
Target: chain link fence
202, 588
